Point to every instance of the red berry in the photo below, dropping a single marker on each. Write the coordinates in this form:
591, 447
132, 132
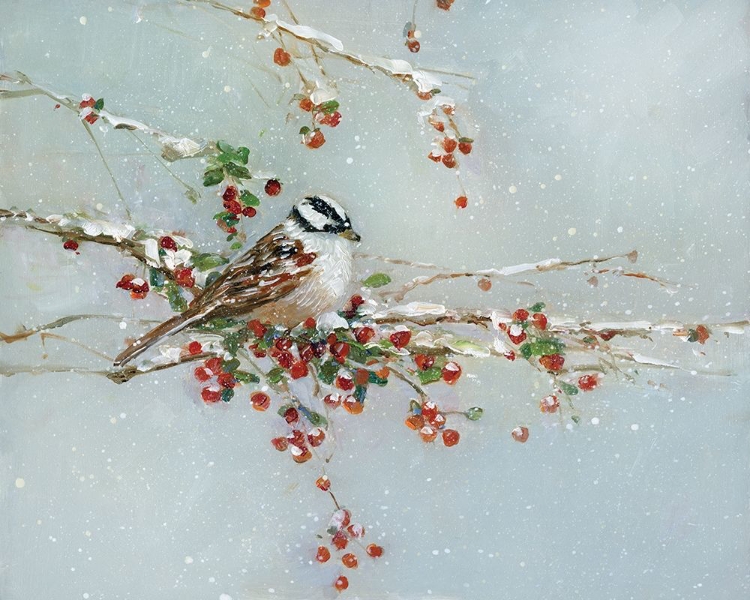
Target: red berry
516, 334
356, 301
249, 212
316, 437
449, 144
195, 348
444, 4
340, 350
436, 123
139, 290
323, 555
356, 530
257, 328
364, 334
484, 284
332, 400
451, 372
413, 45
306, 352
332, 120
202, 374
340, 540
341, 583
257, 12
184, 277
297, 438
324, 484
374, 550
230, 193
552, 362
167, 243
306, 104
540, 321
429, 410
284, 358
309, 323
449, 160
315, 140
70, 245
262, 3
299, 370
273, 187
400, 338
91, 118
521, 315
126, 282
226, 380
520, 434
291, 415
588, 382
87, 103
461, 202
280, 443
260, 401
233, 206
415, 422
451, 437
549, 404
210, 396
349, 560
281, 57
434, 157
424, 361
214, 365
464, 147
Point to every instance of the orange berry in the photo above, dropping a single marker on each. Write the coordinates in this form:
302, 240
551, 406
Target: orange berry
352, 405
374, 550
549, 404
449, 144
341, 583
257, 12
428, 433
316, 140
552, 362
323, 554
520, 434
485, 285
414, 422
262, 3
464, 147
449, 160
461, 202
323, 483
451, 372
350, 560
281, 57
260, 401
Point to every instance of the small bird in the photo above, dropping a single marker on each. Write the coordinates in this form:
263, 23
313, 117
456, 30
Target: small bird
300, 269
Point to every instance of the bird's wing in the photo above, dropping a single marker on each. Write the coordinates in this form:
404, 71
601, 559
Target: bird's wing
270, 270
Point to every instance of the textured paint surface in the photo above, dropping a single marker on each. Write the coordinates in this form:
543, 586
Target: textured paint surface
599, 127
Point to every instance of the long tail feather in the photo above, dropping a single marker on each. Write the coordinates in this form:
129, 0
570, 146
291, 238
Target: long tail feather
157, 334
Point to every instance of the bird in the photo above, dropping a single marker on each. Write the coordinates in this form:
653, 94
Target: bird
301, 268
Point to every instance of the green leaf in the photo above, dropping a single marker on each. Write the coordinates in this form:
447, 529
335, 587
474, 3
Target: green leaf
249, 199
430, 375
275, 375
155, 278
538, 307
192, 195
304, 130
282, 410
245, 377
576, 419
206, 261
237, 171
692, 335
526, 351
466, 140
357, 352
547, 347
225, 147
232, 342
230, 365
212, 277
376, 280
327, 371
99, 104
220, 323
474, 413
373, 378
213, 177
329, 107
236, 246
316, 419
174, 295
244, 154
568, 389
227, 395
415, 407
360, 392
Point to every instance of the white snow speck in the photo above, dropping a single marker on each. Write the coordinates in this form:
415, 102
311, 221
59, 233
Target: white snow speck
20, 482
595, 421
83, 20
188, 560
634, 427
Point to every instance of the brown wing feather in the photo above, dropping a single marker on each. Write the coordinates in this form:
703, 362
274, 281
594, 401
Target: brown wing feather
268, 271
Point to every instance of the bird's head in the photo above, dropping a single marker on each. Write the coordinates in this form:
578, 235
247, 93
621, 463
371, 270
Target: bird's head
321, 214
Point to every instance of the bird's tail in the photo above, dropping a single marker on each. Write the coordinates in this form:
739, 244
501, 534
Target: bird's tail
157, 334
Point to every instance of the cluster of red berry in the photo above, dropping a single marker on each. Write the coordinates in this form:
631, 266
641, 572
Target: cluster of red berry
89, 108
342, 531
427, 419
324, 113
297, 441
411, 42
527, 330
218, 379
137, 287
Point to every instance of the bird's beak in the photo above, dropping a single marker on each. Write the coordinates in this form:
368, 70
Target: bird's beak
351, 235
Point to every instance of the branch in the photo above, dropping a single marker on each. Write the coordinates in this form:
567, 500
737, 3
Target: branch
172, 147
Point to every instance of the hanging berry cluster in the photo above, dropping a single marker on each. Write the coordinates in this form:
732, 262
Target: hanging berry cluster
259, 10
324, 113
228, 169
